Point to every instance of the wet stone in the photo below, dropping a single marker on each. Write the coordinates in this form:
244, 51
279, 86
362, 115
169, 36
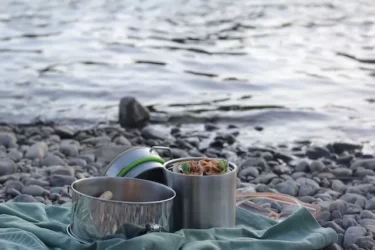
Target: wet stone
315, 153
24, 198
33, 190
317, 166
342, 172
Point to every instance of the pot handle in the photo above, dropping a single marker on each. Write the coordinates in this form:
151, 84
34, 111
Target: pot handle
162, 148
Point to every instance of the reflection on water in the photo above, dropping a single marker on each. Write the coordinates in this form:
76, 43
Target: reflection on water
296, 67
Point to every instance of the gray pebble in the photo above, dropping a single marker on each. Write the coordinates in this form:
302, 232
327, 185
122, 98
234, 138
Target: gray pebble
7, 166
334, 226
353, 209
59, 190
40, 199
369, 224
14, 154
64, 132
308, 199
37, 182
287, 187
317, 166
265, 178
132, 113
349, 222
366, 214
342, 172
24, 198
179, 153
8, 140
37, 151
101, 140
252, 171
77, 161
33, 190
370, 204
267, 156
297, 175
365, 163
366, 242
353, 234
57, 180
340, 147
122, 141
282, 169
105, 154
150, 132
336, 215
338, 186
339, 205
54, 197
13, 192
361, 172
255, 162
52, 160
262, 188
14, 184
323, 216
69, 150
315, 153
63, 200
308, 187
275, 181
302, 166
354, 199
346, 159
60, 170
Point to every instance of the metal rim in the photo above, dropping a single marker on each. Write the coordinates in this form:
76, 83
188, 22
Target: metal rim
232, 166
125, 202
70, 233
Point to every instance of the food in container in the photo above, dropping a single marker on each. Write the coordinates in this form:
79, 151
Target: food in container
203, 167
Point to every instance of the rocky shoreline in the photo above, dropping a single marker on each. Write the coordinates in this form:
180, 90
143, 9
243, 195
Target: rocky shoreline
38, 162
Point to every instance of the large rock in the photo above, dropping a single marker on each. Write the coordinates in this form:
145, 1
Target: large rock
37, 151
7, 166
64, 132
8, 140
132, 113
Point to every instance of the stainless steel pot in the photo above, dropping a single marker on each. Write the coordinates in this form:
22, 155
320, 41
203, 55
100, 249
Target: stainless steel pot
202, 201
137, 202
138, 162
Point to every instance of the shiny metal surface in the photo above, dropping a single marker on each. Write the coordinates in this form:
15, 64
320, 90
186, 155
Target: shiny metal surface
69, 232
135, 201
152, 171
202, 201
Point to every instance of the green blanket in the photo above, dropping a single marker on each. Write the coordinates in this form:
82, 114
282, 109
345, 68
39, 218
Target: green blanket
36, 226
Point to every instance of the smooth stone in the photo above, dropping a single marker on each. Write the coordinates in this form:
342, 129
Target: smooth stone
282, 169
346, 159
323, 216
57, 180
268, 156
37, 182
7, 166
122, 141
353, 209
210, 127
342, 172
252, 171
53, 160
354, 199
353, 234
265, 178
255, 162
336, 214
334, 226
307, 199
275, 181
107, 153
368, 224
64, 132
69, 150
366, 214
349, 222
338, 186
339, 205
60, 170
24, 198
315, 153
340, 147
64, 200
13, 192
297, 175
39, 199
54, 196
361, 172
288, 187
195, 153
132, 113
101, 140
8, 139
62, 191
37, 151
14, 184
353, 190
78, 162
370, 204
5, 178
262, 188
90, 158
307, 186
33, 190
366, 242
317, 166
365, 163
14, 154
150, 132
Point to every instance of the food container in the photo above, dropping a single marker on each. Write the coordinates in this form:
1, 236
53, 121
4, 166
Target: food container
138, 162
202, 201
136, 202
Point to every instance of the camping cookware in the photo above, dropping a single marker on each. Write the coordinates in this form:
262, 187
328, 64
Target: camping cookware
123, 201
138, 162
202, 201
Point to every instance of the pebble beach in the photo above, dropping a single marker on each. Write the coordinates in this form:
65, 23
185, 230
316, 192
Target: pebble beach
38, 163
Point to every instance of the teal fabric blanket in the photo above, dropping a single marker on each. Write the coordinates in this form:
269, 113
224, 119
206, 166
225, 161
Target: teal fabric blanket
36, 226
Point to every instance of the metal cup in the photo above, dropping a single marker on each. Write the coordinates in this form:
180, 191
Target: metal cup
202, 202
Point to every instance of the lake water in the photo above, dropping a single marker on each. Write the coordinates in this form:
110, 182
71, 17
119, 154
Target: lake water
299, 69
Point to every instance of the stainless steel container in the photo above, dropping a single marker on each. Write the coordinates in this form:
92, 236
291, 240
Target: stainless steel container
138, 162
202, 201
137, 202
